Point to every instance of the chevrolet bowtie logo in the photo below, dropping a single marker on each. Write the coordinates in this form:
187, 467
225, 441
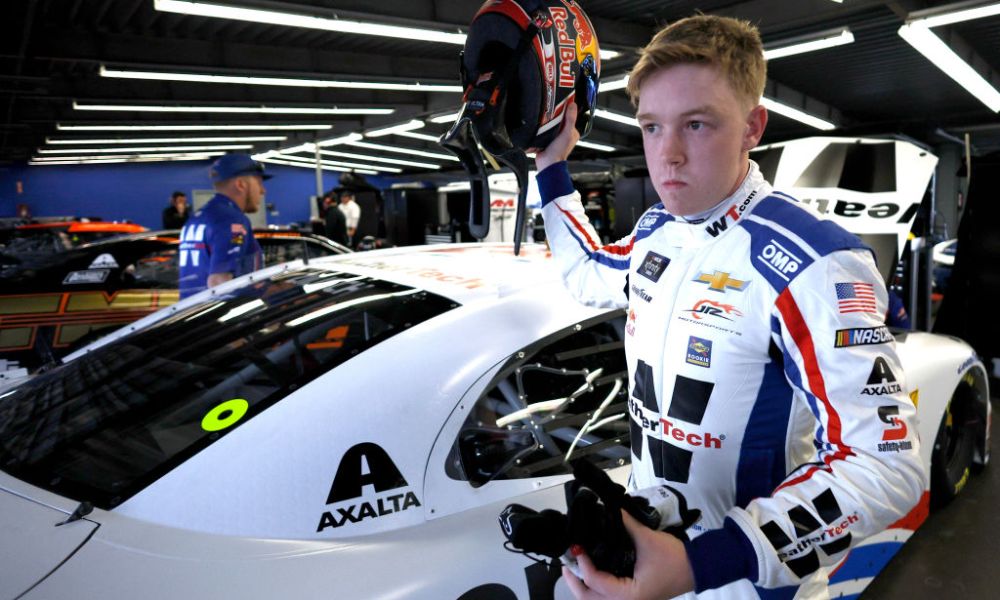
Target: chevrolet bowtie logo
719, 281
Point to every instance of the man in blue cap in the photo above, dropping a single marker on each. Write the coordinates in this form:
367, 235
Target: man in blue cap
217, 243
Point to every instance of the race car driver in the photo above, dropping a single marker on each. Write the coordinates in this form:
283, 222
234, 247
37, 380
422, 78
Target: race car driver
217, 242
761, 386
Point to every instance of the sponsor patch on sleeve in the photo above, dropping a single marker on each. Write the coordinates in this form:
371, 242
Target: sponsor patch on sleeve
653, 266
862, 336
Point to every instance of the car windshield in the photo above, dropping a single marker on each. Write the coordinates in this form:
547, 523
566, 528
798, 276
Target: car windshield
104, 426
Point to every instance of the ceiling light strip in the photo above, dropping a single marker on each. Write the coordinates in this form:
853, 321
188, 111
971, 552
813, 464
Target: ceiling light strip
324, 166
396, 129
991, 9
176, 140
273, 17
202, 127
419, 136
918, 35
616, 117
146, 149
338, 163
391, 161
278, 81
401, 150
596, 146
841, 38
233, 109
796, 114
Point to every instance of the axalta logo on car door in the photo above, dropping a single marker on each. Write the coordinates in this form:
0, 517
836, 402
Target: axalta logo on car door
362, 466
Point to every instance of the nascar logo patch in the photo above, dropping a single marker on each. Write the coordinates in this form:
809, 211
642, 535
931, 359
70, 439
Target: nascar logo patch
862, 336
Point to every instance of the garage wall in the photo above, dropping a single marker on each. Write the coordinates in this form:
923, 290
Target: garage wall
140, 191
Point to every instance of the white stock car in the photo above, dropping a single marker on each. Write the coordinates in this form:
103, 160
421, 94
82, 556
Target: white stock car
351, 428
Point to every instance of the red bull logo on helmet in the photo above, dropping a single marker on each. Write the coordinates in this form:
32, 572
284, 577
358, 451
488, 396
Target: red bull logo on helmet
567, 47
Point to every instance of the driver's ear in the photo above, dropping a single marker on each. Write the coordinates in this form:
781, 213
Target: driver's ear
756, 123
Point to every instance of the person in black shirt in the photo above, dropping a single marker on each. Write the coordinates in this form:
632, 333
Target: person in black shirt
175, 215
335, 222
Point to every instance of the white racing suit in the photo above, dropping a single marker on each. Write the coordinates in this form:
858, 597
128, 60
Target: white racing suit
763, 386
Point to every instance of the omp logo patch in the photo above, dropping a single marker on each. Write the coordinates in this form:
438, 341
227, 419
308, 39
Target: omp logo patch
363, 465
719, 281
699, 352
653, 266
862, 336
800, 554
647, 222
779, 259
882, 380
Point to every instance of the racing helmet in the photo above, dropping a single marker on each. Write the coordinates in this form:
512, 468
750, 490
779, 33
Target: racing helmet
524, 61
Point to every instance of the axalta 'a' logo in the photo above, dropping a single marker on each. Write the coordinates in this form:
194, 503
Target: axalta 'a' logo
882, 380
352, 479
733, 214
710, 308
719, 281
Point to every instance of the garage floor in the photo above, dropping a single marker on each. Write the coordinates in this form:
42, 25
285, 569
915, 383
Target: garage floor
953, 555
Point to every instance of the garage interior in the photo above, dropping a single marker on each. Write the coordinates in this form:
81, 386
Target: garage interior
108, 106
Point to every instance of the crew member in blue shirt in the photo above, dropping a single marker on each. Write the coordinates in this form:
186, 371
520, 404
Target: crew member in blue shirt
217, 242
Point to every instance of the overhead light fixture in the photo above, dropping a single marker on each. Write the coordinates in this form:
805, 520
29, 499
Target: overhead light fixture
616, 117
400, 150
174, 140
609, 54
146, 149
798, 115
128, 155
302, 165
274, 17
917, 32
279, 81
596, 146
616, 84
396, 129
448, 118
338, 163
350, 137
201, 127
391, 161
125, 158
816, 42
279, 110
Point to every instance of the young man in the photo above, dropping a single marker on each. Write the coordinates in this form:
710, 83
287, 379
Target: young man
217, 243
334, 222
176, 214
741, 396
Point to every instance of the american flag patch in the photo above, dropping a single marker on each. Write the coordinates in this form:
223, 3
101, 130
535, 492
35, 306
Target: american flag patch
856, 297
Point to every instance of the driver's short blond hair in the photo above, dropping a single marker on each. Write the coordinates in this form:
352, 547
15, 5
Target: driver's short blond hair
733, 45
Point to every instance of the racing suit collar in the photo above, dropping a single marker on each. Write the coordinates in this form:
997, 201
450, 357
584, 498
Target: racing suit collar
698, 230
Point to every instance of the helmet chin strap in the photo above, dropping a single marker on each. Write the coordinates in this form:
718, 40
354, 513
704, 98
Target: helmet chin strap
461, 140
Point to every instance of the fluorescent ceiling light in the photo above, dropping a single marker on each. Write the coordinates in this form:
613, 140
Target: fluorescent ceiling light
616, 84
400, 150
989, 10
82, 160
609, 54
391, 161
446, 118
324, 166
798, 115
338, 163
418, 136
234, 109
829, 41
128, 155
596, 146
918, 35
273, 17
344, 139
279, 81
616, 117
181, 140
395, 129
146, 149
202, 127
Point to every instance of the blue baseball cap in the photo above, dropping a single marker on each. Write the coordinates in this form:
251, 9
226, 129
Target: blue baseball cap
232, 165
